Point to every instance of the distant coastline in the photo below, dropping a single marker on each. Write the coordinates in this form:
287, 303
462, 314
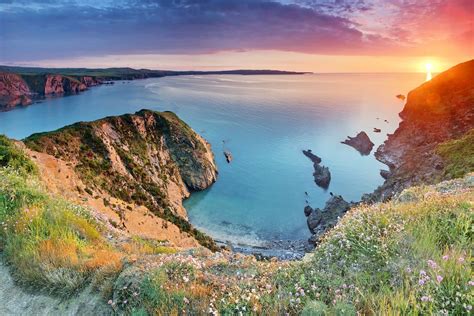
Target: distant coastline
22, 86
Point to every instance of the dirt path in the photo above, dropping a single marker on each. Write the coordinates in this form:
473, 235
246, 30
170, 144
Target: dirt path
14, 300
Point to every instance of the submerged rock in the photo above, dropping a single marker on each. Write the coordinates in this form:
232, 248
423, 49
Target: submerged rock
319, 221
377, 130
361, 142
228, 156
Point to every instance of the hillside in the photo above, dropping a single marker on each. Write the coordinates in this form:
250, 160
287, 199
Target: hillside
150, 160
436, 114
414, 259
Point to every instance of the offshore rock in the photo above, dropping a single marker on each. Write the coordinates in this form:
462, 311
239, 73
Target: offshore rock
322, 176
361, 143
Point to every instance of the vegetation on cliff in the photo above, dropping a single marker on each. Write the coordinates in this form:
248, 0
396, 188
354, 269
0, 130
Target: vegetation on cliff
458, 155
142, 158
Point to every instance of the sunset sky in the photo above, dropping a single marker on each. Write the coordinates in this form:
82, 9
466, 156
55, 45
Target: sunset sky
306, 35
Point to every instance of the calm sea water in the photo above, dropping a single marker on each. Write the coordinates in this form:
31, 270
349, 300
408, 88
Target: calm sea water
265, 121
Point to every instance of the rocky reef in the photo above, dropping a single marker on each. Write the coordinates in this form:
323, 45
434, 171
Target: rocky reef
150, 159
436, 112
361, 143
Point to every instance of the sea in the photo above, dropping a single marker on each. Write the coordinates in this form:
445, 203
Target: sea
265, 121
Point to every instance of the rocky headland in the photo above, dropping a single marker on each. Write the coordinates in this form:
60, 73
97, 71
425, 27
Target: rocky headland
138, 168
437, 114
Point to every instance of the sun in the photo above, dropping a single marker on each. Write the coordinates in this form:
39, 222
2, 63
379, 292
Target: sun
428, 67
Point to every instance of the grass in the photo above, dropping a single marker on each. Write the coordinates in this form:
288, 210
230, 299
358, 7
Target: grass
393, 258
458, 155
50, 244
13, 157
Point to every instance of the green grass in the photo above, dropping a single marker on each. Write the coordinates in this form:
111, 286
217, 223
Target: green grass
51, 244
458, 155
13, 157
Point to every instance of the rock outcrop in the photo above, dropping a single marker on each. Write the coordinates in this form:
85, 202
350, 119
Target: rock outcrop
150, 159
321, 174
361, 143
13, 91
439, 110
319, 221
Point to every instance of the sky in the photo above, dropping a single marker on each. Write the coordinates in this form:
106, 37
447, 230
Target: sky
301, 35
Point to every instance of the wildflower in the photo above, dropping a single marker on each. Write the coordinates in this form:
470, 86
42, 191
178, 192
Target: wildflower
110, 302
461, 259
422, 272
445, 257
432, 264
471, 283
421, 282
439, 278
425, 298
468, 307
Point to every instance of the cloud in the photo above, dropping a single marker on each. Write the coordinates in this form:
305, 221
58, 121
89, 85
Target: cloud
34, 30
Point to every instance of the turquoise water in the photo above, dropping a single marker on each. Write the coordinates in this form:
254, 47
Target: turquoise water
265, 121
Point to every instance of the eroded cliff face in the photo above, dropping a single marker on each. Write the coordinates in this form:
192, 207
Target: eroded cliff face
439, 110
146, 162
18, 89
58, 84
13, 91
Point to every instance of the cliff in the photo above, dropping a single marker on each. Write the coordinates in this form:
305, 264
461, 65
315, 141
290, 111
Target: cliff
23, 89
436, 113
36, 83
13, 91
148, 161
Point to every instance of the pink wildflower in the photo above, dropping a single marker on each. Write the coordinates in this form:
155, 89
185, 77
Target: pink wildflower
432, 264
439, 278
